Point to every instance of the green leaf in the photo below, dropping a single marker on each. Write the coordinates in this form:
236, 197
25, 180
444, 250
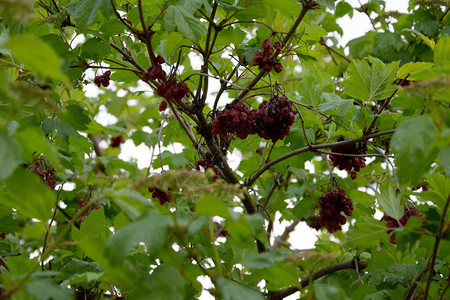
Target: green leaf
34, 201
230, 290
370, 83
85, 11
151, 230
76, 117
47, 289
212, 206
165, 282
36, 55
327, 3
412, 143
64, 130
441, 53
390, 203
444, 156
10, 155
331, 102
368, 232
178, 18
413, 69
343, 8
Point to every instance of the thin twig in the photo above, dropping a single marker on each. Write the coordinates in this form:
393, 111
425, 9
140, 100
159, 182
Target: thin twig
281, 240
439, 235
307, 280
313, 148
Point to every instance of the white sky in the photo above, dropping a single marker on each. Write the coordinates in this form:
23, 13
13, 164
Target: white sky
303, 237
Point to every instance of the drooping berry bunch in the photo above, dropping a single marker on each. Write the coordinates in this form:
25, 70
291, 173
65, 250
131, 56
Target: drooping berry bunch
263, 59
332, 205
236, 119
43, 169
82, 203
2, 235
275, 118
349, 163
117, 140
207, 163
393, 223
171, 89
102, 79
155, 71
156, 193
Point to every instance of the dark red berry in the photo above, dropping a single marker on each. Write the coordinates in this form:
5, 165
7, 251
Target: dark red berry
156, 193
2, 235
392, 223
278, 46
103, 79
163, 106
160, 59
117, 141
351, 164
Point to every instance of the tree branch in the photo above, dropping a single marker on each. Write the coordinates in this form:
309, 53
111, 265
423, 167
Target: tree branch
325, 271
313, 148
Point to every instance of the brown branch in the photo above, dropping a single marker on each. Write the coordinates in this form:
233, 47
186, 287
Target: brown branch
279, 241
306, 6
306, 281
313, 148
439, 235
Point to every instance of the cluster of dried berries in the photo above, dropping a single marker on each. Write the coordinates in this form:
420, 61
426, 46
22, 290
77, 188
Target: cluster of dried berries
156, 193
236, 119
271, 121
2, 235
117, 140
171, 89
349, 163
393, 223
155, 72
263, 59
275, 118
43, 169
82, 203
102, 79
332, 204
208, 163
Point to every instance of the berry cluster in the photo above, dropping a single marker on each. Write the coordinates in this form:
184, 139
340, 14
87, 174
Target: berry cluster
82, 203
332, 204
349, 163
263, 59
207, 163
2, 235
156, 193
236, 119
155, 72
43, 169
117, 140
393, 223
275, 118
171, 89
102, 79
